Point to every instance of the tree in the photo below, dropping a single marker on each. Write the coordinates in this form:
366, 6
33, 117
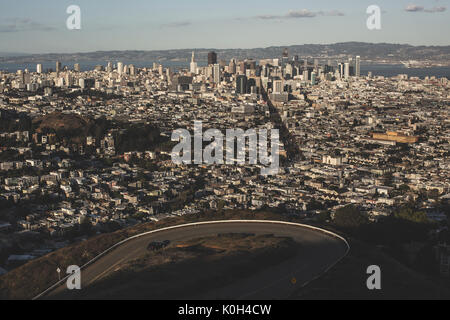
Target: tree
410, 214
85, 225
349, 217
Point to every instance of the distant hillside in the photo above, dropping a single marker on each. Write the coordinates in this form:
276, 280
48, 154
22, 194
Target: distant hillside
369, 52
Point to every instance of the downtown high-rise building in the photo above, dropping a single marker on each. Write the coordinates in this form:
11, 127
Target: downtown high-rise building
232, 66
120, 68
241, 84
305, 75
58, 66
193, 66
76, 67
39, 68
313, 78
278, 86
358, 66
212, 58
346, 70
216, 73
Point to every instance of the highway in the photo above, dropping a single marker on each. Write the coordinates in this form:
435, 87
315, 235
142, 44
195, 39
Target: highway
317, 252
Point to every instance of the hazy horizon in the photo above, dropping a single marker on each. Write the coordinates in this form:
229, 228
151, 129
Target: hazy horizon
40, 27
14, 54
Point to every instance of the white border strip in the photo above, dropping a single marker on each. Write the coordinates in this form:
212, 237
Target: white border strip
57, 284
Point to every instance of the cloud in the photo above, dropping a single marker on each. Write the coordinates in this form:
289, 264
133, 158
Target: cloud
418, 8
177, 24
414, 8
303, 13
23, 24
332, 13
436, 9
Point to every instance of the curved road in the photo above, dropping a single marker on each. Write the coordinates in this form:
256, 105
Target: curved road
318, 251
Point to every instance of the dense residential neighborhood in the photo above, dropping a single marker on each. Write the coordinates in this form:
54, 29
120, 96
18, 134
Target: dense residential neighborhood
90, 152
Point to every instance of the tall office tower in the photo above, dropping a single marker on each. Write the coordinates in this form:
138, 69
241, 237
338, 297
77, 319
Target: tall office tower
305, 63
264, 71
216, 73
285, 57
193, 64
161, 69
278, 86
232, 66
316, 63
68, 80
313, 78
288, 70
132, 70
76, 67
358, 66
119, 68
109, 67
305, 75
26, 78
347, 70
39, 68
341, 70
208, 71
295, 58
241, 84
212, 58
351, 66
58, 66
242, 67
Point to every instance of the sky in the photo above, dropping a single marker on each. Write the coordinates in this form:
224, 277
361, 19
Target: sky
28, 26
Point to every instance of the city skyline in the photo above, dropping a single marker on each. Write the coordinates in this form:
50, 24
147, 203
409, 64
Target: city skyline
41, 27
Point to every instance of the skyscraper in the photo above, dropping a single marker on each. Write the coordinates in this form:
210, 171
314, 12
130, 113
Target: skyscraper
358, 66
347, 70
241, 84
216, 73
39, 68
305, 75
76, 67
212, 58
278, 86
193, 68
232, 66
119, 68
58, 66
313, 78
285, 57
